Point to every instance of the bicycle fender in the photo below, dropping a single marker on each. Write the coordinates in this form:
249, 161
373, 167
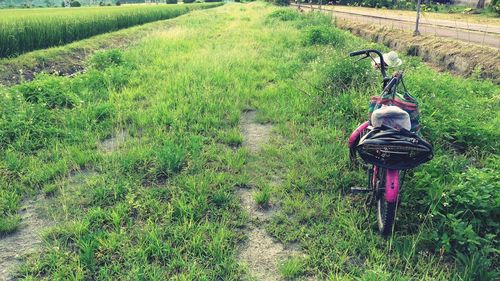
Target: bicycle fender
391, 185
355, 136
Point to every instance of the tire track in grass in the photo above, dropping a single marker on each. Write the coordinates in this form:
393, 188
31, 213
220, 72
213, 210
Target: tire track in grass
111, 144
27, 239
260, 253
35, 219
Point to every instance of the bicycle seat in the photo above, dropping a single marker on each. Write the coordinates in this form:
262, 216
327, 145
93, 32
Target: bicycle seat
391, 116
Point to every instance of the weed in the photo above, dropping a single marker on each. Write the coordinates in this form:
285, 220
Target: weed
9, 224
324, 35
293, 268
284, 15
232, 138
170, 157
49, 91
104, 59
263, 196
342, 74
314, 19
50, 189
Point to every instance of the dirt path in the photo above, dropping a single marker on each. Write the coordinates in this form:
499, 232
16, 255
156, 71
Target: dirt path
480, 34
26, 240
492, 26
261, 253
113, 143
458, 17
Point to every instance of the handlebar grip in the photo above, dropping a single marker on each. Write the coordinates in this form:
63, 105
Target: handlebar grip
357, 53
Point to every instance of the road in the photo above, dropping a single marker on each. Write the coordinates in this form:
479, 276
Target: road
486, 34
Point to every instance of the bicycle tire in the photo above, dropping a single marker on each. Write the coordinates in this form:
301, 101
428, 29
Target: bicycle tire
386, 211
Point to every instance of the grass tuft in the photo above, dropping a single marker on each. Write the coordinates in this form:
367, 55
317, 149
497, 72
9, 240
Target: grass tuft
324, 35
9, 224
263, 196
293, 268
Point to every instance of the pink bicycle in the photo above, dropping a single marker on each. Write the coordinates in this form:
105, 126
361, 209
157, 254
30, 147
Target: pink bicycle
389, 143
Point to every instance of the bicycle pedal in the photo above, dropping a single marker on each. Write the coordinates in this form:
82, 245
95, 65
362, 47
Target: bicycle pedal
357, 190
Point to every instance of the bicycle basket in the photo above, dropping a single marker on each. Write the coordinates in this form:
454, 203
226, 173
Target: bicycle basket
393, 149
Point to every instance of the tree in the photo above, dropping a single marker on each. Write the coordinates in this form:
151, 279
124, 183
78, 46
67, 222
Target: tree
480, 4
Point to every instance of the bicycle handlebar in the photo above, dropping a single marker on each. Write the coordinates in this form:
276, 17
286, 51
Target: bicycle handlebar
357, 53
367, 53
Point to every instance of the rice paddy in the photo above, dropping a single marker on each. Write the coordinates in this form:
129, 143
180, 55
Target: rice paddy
23, 30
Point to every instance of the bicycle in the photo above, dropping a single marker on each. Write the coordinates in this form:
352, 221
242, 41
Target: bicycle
389, 143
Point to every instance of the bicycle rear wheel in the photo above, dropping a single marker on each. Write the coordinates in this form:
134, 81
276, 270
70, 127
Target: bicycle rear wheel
386, 211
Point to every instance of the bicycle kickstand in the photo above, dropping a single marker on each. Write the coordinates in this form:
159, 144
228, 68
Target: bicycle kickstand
370, 206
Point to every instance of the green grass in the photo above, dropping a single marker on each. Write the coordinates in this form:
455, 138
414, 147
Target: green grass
23, 30
164, 202
263, 196
9, 224
293, 267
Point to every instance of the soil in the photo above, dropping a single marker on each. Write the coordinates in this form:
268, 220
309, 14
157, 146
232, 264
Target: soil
26, 240
262, 214
113, 143
261, 254
255, 134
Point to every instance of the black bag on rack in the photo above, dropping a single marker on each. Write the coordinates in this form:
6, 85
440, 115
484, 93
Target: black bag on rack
394, 149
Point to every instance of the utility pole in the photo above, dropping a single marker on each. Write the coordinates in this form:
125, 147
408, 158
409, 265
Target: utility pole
416, 32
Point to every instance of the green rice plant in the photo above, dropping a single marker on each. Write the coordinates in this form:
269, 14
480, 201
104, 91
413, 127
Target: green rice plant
26, 30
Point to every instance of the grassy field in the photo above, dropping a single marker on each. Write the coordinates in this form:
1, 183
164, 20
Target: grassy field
140, 159
23, 30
